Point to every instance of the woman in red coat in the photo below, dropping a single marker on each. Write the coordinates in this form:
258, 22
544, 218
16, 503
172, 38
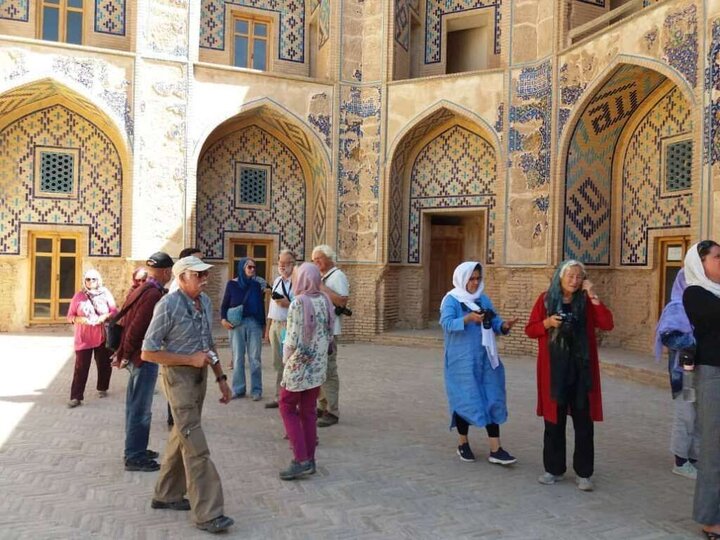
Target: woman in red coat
568, 373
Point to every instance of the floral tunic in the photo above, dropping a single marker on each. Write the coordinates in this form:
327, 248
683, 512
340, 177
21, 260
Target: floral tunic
306, 366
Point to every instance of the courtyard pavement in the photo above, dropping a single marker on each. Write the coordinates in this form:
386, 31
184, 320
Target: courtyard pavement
388, 470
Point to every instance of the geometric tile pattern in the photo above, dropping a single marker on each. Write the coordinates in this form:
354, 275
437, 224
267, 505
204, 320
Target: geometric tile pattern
324, 23
645, 203
99, 204
711, 144
397, 172
680, 49
402, 23
358, 171
435, 10
457, 169
216, 212
311, 152
588, 174
15, 10
110, 17
291, 37
532, 106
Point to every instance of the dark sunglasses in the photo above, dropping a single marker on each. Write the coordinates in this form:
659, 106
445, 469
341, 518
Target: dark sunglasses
90, 279
202, 274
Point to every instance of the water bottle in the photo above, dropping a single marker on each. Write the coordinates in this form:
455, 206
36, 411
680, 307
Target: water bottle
688, 381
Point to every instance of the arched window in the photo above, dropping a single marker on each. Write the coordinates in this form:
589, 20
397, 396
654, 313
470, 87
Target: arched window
62, 20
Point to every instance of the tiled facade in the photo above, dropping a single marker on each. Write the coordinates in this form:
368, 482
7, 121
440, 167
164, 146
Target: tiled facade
97, 205
218, 212
558, 145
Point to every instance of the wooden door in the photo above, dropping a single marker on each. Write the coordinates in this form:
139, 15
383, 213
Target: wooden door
671, 256
54, 275
446, 252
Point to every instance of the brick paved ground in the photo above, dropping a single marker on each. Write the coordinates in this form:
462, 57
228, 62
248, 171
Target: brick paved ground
388, 470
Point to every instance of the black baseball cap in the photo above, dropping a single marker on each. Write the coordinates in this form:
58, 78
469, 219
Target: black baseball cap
159, 260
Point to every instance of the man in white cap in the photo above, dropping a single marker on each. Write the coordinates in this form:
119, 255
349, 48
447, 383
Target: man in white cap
179, 338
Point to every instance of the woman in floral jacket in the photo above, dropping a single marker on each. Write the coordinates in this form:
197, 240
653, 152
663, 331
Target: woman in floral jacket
305, 351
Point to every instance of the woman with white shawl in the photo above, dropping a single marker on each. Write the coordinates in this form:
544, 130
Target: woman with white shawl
702, 305
474, 374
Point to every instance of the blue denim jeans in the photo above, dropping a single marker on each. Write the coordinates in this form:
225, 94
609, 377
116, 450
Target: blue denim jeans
247, 336
138, 408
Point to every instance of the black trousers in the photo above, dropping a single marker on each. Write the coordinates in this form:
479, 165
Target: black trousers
463, 426
554, 443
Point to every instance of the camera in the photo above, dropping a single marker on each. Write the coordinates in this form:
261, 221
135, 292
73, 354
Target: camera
214, 358
567, 320
339, 310
488, 316
687, 358
277, 296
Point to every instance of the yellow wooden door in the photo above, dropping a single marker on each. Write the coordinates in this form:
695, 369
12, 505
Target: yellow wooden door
55, 275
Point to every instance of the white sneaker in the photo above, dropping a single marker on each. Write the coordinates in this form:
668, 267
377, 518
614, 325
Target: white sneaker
549, 479
687, 469
584, 484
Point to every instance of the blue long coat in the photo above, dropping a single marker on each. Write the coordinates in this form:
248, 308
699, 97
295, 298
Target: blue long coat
475, 390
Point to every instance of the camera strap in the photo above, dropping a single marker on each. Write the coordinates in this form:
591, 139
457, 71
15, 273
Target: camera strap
326, 276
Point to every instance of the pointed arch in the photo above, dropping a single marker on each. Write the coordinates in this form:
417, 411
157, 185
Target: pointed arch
402, 152
282, 125
587, 148
45, 119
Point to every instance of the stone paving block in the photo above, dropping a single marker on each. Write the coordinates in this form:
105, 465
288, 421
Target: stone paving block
387, 470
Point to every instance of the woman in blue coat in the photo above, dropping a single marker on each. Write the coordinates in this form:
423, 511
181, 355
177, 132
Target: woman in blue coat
474, 374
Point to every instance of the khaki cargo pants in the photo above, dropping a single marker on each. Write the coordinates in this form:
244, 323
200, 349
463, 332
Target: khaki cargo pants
187, 449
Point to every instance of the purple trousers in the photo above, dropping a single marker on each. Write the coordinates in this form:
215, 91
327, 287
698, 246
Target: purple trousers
82, 369
300, 418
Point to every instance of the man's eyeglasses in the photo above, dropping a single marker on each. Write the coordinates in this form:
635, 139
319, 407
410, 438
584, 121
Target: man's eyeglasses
199, 275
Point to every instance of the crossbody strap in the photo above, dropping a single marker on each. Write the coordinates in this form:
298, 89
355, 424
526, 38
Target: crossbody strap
124, 310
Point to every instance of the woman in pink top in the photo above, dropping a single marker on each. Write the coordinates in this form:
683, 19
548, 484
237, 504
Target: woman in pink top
89, 309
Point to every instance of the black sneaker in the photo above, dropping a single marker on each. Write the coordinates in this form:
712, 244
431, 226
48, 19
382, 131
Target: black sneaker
151, 454
219, 524
465, 453
181, 505
501, 457
142, 465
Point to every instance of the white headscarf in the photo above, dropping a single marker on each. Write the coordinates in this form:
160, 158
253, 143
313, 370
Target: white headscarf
695, 272
461, 277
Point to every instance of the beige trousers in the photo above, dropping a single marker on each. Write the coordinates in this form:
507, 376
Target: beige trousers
187, 450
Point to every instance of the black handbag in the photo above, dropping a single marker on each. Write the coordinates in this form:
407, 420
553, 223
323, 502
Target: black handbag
113, 329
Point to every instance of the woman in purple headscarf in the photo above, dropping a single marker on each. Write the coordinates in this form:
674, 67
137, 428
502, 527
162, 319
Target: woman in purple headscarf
305, 351
674, 332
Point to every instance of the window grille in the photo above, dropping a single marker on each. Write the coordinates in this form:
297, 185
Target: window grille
678, 166
57, 173
252, 185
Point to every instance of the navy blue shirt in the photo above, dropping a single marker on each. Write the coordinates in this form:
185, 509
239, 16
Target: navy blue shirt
254, 305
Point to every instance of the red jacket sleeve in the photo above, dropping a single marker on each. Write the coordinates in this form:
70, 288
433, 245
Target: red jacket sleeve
535, 328
602, 317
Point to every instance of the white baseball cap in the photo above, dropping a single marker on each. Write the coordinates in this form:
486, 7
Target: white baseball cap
189, 263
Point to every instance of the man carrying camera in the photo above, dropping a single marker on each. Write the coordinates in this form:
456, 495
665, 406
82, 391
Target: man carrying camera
281, 296
179, 338
335, 284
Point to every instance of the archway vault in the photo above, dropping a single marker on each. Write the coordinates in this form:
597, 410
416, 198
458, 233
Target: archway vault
429, 125
46, 119
280, 125
588, 151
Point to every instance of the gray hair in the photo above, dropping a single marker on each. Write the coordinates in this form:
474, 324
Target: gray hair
286, 252
325, 250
